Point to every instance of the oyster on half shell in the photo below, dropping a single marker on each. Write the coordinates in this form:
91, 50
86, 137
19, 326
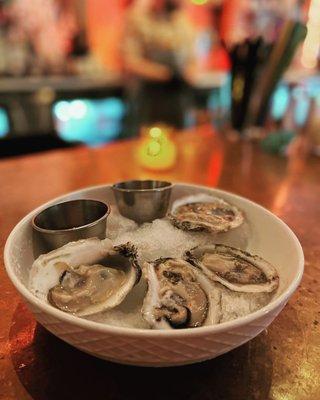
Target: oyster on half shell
178, 295
236, 269
203, 212
87, 276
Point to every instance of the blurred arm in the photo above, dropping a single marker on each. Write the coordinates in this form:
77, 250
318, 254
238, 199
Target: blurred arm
147, 69
134, 60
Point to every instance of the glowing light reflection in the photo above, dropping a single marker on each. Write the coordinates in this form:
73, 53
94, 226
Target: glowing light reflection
155, 132
199, 2
156, 150
78, 109
93, 122
4, 123
280, 101
62, 110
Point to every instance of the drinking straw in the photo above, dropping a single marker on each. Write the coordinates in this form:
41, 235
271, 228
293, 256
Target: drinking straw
270, 66
292, 34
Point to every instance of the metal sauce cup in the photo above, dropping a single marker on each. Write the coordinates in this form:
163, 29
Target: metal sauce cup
65, 222
143, 201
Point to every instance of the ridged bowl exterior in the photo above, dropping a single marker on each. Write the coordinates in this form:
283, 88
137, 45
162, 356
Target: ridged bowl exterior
153, 351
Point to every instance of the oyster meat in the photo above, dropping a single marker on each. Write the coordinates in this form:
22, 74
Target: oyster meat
178, 295
236, 269
87, 276
205, 213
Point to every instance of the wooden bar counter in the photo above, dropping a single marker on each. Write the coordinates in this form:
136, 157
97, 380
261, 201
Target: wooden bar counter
282, 363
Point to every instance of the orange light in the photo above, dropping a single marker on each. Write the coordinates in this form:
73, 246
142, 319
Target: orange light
156, 151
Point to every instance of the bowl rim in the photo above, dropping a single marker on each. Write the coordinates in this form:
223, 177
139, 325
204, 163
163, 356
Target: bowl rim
274, 305
75, 228
168, 185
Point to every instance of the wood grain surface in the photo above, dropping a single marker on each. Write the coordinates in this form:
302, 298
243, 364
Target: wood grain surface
282, 363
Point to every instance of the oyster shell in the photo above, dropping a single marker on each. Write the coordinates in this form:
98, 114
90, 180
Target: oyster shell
205, 213
87, 276
236, 269
178, 295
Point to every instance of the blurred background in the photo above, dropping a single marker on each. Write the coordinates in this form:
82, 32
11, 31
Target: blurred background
95, 71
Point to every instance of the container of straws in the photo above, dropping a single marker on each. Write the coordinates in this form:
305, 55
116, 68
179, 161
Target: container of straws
258, 65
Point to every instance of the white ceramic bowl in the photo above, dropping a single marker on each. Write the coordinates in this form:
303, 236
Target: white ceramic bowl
269, 237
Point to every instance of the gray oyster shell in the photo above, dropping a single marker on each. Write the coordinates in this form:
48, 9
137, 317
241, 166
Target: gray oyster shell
207, 213
236, 269
88, 276
178, 296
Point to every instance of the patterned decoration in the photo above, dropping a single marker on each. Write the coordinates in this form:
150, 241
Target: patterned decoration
155, 351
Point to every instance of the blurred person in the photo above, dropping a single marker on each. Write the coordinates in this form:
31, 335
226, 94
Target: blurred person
158, 51
46, 28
